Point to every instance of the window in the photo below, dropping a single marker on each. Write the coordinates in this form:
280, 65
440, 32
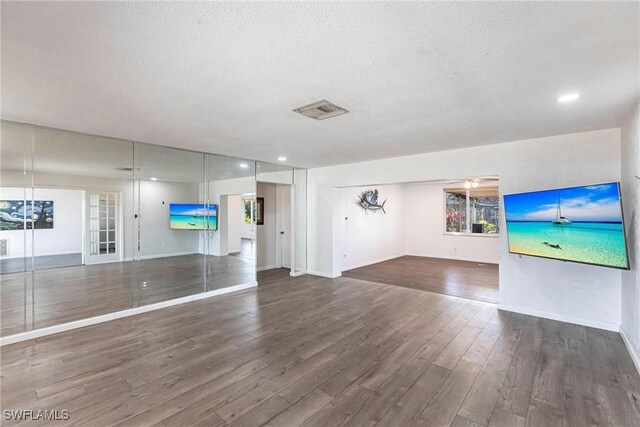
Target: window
473, 211
249, 212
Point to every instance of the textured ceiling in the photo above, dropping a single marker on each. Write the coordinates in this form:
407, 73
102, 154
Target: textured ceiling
224, 77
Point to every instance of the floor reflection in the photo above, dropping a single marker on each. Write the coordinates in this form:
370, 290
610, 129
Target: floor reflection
70, 293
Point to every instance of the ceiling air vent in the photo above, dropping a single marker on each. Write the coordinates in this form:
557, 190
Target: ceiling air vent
321, 110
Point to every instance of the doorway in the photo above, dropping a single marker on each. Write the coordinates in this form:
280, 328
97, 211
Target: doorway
274, 226
437, 236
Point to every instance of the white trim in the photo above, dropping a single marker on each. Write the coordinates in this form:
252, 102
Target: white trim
143, 257
297, 273
375, 261
328, 276
266, 267
49, 330
634, 355
553, 316
44, 254
481, 261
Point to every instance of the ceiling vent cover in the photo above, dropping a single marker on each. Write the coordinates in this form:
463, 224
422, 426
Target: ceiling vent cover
321, 110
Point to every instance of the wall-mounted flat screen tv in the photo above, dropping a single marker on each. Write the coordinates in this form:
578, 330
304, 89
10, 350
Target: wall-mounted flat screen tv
579, 224
193, 216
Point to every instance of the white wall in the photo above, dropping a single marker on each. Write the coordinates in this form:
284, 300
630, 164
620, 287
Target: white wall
424, 219
235, 211
630, 140
156, 238
160, 240
566, 291
66, 235
266, 234
300, 218
368, 237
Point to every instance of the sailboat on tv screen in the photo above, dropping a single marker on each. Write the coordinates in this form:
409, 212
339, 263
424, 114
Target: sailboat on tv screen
560, 220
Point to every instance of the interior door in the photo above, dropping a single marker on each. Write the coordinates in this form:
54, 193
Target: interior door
283, 199
103, 227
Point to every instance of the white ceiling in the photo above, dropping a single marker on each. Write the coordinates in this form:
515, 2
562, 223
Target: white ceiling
224, 77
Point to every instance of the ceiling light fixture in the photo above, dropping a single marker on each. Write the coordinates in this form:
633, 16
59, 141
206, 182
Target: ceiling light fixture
153, 178
569, 97
282, 159
244, 165
471, 183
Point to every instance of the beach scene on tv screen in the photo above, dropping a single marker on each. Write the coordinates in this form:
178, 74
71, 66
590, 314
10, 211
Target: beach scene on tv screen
581, 224
191, 217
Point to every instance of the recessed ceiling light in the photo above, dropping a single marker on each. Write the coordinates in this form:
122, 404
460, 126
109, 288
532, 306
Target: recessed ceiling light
153, 178
282, 159
244, 165
569, 97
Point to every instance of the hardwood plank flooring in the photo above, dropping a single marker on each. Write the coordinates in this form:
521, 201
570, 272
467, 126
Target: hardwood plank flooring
472, 280
17, 265
31, 300
321, 352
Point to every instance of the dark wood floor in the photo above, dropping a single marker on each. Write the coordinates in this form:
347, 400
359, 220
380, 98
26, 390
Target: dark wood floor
16, 265
463, 279
321, 352
247, 249
49, 297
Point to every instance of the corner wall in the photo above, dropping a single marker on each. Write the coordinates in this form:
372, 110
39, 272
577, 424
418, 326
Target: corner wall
570, 292
630, 292
369, 237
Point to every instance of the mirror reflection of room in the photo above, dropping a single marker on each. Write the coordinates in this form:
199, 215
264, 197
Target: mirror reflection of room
91, 226
275, 231
65, 259
230, 248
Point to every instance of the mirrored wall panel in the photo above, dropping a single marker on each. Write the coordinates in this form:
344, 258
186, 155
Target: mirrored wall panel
171, 222
275, 225
300, 220
82, 186
230, 240
16, 237
92, 225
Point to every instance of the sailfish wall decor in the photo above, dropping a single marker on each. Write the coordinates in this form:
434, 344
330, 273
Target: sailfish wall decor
369, 201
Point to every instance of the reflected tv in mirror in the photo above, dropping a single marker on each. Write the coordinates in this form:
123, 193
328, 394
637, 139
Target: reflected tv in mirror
578, 224
193, 216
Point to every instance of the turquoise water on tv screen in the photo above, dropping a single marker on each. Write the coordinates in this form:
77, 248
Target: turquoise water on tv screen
589, 242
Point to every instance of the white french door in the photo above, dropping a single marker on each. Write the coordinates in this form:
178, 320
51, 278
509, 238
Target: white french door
103, 227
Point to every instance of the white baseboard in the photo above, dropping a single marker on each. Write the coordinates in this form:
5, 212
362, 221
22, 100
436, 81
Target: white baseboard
49, 330
266, 267
297, 273
321, 274
155, 256
632, 351
43, 254
457, 258
375, 261
553, 316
